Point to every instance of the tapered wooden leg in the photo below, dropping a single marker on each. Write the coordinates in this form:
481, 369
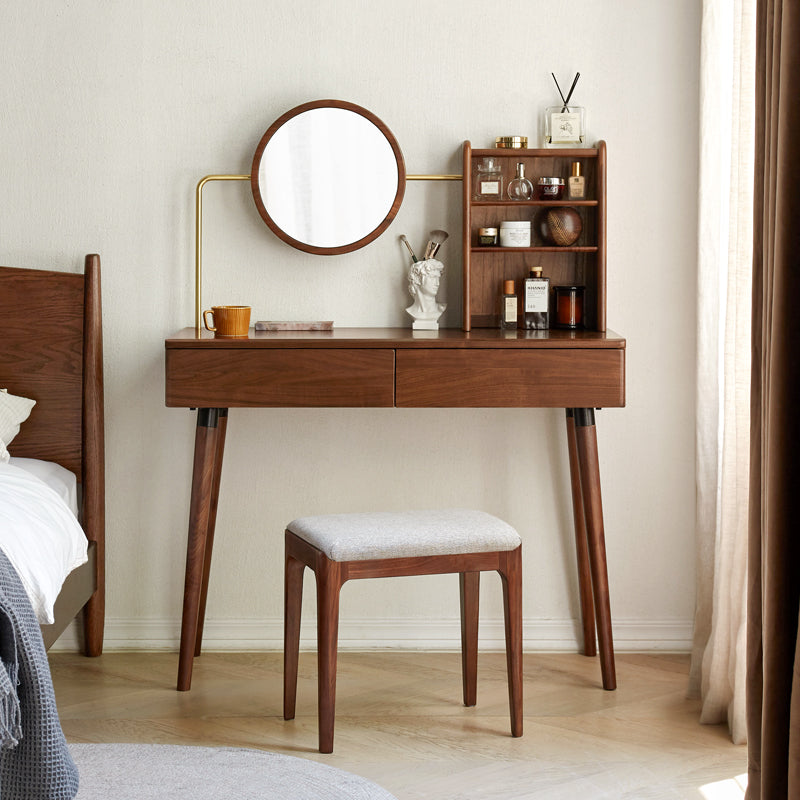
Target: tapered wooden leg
586, 436
581, 543
292, 607
222, 426
511, 575
469, 584
328, 585
205, 449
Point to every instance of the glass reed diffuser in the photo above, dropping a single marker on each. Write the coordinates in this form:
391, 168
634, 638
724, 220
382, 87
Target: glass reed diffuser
565, 125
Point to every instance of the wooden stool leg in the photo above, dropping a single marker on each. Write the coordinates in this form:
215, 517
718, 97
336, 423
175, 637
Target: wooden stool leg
329, 583
469, 584
292, 607
511, 574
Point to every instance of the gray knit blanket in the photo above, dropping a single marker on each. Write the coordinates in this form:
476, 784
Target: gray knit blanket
35, 763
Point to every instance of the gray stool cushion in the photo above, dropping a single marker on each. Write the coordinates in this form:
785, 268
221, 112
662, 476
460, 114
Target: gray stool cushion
398, 534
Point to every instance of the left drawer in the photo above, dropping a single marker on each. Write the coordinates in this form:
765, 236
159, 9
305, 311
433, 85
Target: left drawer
287, 378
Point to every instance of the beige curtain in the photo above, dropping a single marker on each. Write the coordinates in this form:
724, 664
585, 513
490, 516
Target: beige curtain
723, 359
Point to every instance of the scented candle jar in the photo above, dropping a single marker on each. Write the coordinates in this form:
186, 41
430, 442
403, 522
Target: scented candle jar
514, 233
549, 188
569, 306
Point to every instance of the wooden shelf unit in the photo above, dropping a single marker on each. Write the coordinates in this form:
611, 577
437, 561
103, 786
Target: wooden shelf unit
584, 263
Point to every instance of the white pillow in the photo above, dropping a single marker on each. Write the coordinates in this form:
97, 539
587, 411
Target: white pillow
13, 411
61, 480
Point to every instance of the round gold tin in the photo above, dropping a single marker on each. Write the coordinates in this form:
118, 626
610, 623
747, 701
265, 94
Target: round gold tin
515, 142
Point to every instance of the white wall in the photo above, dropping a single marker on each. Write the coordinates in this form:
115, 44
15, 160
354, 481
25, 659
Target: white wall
112, 111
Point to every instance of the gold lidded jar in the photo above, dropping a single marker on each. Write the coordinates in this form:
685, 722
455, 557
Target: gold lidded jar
511, 142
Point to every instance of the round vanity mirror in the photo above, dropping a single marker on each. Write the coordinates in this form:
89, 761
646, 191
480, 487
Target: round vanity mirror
328, 177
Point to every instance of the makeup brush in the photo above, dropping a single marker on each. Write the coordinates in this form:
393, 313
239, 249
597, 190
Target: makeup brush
434, 243
404, 240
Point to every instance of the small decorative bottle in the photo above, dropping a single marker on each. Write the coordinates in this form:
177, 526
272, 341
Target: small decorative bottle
488, 180
520, 188
508, 306
536, 315
576, 185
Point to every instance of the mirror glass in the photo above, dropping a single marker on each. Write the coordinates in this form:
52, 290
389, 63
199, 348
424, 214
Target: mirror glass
328, 177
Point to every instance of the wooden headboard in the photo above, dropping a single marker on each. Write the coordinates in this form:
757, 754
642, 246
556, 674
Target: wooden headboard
51, 351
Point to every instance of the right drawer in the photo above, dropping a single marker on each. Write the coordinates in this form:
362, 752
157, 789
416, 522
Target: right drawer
558, 378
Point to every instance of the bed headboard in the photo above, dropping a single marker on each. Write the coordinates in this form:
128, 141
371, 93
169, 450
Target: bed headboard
52, 352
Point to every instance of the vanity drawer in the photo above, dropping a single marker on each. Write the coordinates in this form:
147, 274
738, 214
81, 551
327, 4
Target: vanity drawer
487, 378
285, 378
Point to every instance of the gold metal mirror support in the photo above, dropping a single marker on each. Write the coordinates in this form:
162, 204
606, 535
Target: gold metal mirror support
198, 226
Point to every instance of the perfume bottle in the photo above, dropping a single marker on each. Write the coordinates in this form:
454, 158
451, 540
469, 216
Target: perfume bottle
536, 316
508, 306
576, 184
520, 188
488, 180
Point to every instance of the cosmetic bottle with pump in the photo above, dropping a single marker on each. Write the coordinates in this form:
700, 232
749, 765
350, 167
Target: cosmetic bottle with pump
576, 184
536, 301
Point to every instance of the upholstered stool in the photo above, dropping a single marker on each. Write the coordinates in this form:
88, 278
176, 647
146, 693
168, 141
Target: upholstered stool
342, 547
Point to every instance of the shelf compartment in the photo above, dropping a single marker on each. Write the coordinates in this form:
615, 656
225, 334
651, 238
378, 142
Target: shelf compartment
584, 263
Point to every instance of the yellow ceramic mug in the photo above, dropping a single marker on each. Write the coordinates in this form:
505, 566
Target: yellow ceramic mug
228, 320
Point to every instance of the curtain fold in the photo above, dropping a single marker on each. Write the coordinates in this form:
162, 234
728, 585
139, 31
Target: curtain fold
723, 359
773, 646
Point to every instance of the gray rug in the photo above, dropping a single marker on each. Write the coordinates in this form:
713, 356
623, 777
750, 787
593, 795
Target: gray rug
148, 771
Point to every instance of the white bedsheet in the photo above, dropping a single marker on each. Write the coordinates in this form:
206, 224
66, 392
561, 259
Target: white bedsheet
40, 536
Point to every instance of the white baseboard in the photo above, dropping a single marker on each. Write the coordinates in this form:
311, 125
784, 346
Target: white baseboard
630, 635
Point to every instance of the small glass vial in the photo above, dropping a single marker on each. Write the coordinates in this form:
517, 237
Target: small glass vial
536, 314
576, 184
569, 306
520, 188
565, 126
488, 180
508, 306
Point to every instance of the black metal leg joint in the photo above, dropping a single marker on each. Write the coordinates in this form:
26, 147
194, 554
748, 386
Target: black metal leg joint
209, 417
584, 417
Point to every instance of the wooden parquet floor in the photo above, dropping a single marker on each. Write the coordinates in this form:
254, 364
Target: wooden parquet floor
400, 721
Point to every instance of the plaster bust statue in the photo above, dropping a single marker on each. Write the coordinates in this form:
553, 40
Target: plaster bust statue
423, 284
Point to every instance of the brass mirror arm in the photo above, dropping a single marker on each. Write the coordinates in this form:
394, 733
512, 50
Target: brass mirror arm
198, 224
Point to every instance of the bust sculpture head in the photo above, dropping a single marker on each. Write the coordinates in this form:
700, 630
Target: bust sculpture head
423, 284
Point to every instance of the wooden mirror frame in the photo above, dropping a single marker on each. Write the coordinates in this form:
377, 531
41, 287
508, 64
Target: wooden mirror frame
349, 246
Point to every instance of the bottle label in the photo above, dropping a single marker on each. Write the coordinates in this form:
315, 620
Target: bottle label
510, 308
536, 299
490, 187
565, 128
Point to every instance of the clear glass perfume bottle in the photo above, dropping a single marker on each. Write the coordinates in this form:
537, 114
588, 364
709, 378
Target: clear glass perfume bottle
520, 188
488, 180
508, 306
536, 314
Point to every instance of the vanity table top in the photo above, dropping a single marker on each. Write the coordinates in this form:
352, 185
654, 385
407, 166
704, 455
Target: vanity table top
402, 338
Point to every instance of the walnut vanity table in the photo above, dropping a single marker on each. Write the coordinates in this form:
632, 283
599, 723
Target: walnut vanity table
477, 367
